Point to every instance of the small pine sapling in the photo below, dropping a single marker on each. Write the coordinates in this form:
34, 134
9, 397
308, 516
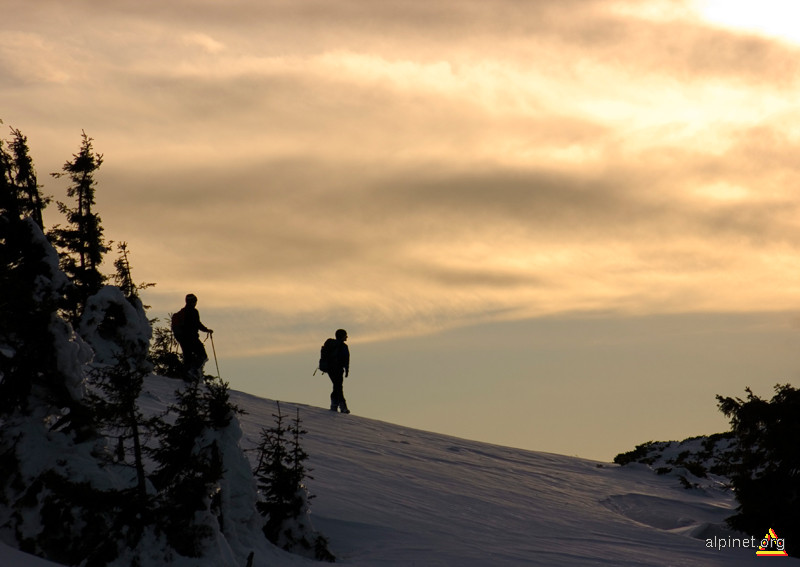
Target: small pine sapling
164, 354
123, 277
280, 474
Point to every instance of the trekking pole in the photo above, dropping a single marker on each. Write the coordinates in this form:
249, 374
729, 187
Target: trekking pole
214, 350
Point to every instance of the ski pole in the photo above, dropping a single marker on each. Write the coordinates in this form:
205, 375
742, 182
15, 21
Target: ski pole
214, 350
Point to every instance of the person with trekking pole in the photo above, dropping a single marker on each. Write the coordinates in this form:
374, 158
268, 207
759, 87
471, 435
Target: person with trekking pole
186, 327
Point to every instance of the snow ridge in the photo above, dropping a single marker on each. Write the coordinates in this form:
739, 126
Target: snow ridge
391, 496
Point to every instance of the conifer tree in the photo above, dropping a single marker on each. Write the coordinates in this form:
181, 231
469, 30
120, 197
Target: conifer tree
123, 277
121, 383
766, 472
164, 354
25, 178
42, 401
189, 465
32, 288
280, 474
115, 407
120, 319
298, 455
70, 500
274, 478
19, 189
115, 324
81, 242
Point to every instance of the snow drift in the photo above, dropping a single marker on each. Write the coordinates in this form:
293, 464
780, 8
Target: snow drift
390, 496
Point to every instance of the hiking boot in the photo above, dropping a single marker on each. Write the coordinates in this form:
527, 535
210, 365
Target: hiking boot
343, 408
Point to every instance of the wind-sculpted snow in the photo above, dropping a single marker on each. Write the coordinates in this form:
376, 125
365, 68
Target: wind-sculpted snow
131, 336
392, 496
388, 495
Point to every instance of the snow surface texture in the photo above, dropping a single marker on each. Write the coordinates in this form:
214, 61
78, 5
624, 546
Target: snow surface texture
393, 496
697, 462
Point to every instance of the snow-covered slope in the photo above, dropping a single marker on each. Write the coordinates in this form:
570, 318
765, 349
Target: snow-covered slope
10, 557
392, 496
388, 495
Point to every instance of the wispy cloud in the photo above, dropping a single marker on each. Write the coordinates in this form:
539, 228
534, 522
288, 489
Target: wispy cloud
410, 166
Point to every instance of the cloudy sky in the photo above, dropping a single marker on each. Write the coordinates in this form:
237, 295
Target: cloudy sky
556, 224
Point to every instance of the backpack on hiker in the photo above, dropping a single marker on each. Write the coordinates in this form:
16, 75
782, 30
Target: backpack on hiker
178, 324
328, 355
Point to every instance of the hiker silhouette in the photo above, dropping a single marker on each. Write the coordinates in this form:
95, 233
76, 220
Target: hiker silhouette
335, 361
186, 327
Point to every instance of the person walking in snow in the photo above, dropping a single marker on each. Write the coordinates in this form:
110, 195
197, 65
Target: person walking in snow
186, 327
335, 361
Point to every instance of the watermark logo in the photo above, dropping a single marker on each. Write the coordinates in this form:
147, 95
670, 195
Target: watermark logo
772, 546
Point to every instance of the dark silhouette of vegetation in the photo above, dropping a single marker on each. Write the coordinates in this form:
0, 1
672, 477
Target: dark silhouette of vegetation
71, 405
115, 408
31, 291
281, 472
123, 277
19, 188
189, 464
81, 242
164, 354
766, 478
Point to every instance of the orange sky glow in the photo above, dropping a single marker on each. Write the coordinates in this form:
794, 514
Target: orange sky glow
412, 169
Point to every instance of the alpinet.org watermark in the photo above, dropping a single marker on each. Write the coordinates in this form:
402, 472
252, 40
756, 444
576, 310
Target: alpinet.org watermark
769, 546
